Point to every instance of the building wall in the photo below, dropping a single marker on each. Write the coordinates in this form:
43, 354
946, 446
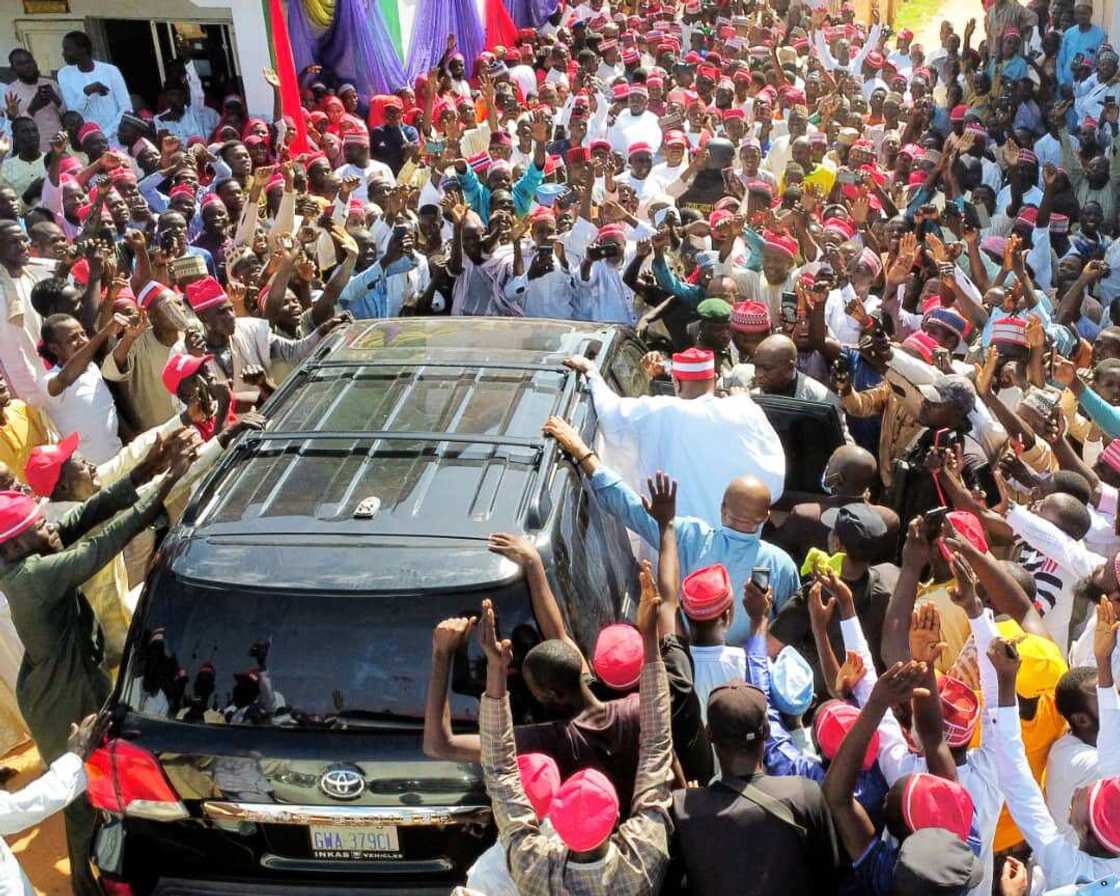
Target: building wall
12, 17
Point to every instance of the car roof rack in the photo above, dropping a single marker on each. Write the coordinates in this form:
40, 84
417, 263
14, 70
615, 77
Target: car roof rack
546, 450
392, 436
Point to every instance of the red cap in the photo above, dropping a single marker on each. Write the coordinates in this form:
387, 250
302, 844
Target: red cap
706, 593
779, 242
44, 464
969, 526
958, 113
846, 229
122, 175
18, 513
640, 146
179, 367
718, 216
608, 231
675, 138
921, 342
205, 293
540, 776
694, 364
618, 657
584, 810
1104, 813
960, 710
149, 291
578, 154
833, 722
932, 802
751, 317
183, 189
86, 130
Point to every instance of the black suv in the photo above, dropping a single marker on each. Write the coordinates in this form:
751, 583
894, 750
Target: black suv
266, 733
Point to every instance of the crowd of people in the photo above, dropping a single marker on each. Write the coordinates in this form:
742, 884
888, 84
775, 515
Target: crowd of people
904, 685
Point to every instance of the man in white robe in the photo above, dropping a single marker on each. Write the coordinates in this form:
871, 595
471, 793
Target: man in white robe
700, 440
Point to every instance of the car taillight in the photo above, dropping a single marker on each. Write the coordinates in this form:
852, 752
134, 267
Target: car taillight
112, 887
127, 780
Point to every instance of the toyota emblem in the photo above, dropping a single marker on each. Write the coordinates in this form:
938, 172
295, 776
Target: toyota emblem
342, 782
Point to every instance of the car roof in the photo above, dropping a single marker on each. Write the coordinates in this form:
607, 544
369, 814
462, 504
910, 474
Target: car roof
434, 425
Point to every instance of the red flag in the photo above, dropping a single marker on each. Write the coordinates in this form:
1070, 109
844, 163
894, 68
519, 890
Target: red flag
289, 82
501, 30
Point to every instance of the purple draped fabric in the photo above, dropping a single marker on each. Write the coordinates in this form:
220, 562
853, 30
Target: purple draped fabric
357, 47
435, 19
304, 43
531, 13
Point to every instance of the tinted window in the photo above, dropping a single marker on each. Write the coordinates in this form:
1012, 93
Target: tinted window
331, 659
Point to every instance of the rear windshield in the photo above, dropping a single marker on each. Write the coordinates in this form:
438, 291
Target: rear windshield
255, 657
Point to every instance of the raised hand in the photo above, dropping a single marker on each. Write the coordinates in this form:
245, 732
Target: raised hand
963, 593
662, 501
498, 652
986, 373
450, 636
649, 605
850, 674
1004, 656
898, 684
756, 602
821, 610
1104, 635
926, 645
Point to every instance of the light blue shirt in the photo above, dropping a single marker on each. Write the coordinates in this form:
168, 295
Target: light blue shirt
700, 545
1076, 41
366, 296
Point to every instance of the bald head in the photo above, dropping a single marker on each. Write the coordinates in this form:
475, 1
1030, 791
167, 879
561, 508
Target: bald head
775, 363
851, 470
746, 504
1067, 513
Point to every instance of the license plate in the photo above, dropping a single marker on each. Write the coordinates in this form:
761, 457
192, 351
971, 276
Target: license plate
354, 842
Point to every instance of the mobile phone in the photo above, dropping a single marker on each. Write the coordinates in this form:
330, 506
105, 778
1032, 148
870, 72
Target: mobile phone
760, 577
545, 250
932, 523
789, 307
842, 367
846, 176
399, 231
610, 250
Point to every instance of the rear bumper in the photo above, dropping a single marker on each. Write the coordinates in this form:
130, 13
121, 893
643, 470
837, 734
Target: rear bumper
179, 887
244, 849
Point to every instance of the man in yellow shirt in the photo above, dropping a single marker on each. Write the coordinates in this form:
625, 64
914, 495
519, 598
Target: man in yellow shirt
21, 428
1042, 724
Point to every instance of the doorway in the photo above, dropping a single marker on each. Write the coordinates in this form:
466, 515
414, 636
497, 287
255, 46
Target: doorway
142, 49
